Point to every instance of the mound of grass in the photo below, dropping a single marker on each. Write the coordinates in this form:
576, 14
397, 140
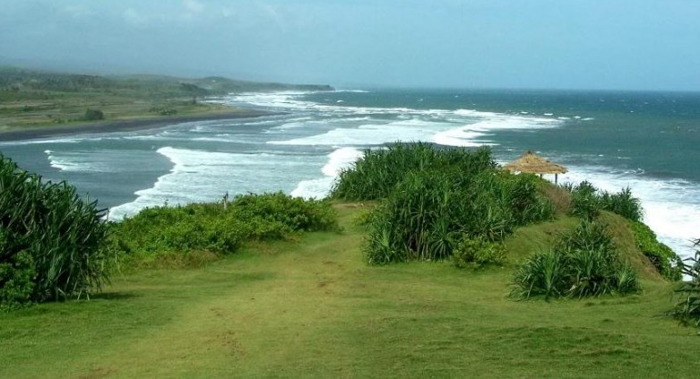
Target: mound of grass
431, 199
218, 228
51, 241
584, 262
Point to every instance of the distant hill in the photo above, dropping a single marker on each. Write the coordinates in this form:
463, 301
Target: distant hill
15, 78
36, 98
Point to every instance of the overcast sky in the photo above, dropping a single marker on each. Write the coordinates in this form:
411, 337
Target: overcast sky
573, 44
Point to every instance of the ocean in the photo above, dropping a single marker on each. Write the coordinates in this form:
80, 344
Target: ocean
647, 141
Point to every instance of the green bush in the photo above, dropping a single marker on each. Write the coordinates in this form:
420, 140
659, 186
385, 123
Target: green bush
623, 204
16, 277
93, 115
477, 253
587, 202
422, 216
584, 201
51, 241
687, 309
667, 263
584, 262
220, 227
375, 175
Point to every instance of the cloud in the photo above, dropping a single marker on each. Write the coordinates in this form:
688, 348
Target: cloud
78, 11
134, 17
227, 12
193, 6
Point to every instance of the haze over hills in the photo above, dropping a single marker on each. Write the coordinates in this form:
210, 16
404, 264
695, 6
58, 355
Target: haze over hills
212, 85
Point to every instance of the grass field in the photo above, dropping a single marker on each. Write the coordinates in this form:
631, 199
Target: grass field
313, 308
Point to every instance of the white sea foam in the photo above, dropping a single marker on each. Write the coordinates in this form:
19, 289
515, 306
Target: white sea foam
337, 161
352, 90
46, 141
370, 134
472, 134
79, 161
206, 176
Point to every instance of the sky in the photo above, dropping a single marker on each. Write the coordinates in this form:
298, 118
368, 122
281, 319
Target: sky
538, 44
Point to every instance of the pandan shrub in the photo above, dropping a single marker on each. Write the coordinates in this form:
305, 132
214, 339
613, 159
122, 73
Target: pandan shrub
584, 262
426, 212
220, 227
429, 195
377, 172
687, 308
623, 204
52, 242
666, 261
587, 202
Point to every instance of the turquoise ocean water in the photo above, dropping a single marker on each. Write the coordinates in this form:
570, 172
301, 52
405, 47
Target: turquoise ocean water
647, 141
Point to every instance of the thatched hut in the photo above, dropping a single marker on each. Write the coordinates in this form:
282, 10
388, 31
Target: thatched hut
533, 163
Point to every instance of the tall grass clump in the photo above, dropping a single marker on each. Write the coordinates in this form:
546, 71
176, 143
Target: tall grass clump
587, 202
375, 175
440, 197
219, 228
430, 212
584, 262
51, 241
687, 309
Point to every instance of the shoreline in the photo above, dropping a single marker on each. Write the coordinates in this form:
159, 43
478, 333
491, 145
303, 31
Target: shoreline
125, 125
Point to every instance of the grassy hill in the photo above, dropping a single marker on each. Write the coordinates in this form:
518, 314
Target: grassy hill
31, 98
312, 308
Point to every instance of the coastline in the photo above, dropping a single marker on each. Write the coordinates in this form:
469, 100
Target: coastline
125, 125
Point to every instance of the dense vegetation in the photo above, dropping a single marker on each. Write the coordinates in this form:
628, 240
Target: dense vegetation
218, 228
433, 200
584, 262
50, 240
377, 173
667, 263
587, 202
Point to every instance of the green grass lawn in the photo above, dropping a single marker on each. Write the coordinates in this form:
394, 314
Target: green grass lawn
313, 308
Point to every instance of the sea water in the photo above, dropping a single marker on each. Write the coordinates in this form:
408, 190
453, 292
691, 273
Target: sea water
647, 141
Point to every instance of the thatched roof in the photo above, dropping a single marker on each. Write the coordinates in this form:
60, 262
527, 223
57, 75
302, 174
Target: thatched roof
533, 163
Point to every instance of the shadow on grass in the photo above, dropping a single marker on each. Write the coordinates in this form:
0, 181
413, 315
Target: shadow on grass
114, 295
